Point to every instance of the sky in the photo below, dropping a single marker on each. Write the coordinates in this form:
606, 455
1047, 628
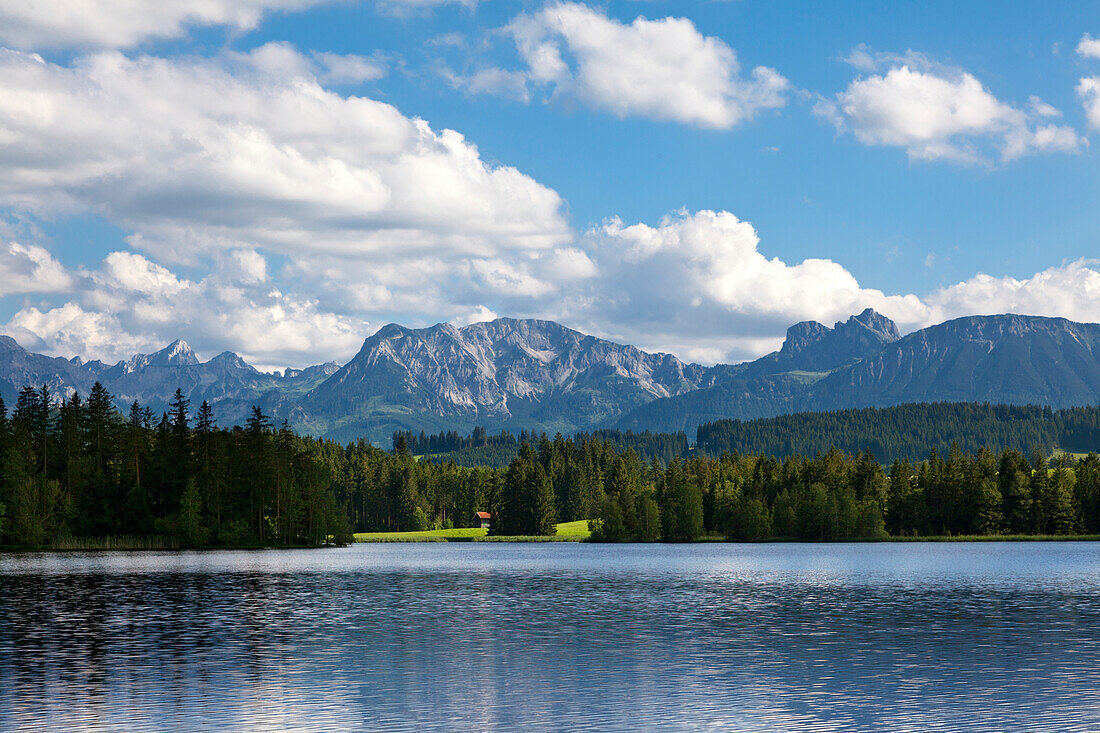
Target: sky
281, 178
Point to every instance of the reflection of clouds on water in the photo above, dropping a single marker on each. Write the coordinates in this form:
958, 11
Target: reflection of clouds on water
545, 637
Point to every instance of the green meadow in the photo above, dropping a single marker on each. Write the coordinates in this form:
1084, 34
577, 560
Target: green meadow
566, 532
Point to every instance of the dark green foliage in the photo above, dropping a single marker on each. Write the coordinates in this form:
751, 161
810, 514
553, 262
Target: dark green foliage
749, 521
610, 527
526, 506
78, 468
482, 449
682, 500
908, 431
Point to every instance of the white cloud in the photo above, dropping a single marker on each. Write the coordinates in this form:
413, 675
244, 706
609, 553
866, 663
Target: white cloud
1089, 47
250, 151
697, 283
1041, 109
349, 68
1070, 291
31, 269
273, 187
107, 24
69, 330
934, 112
248, 265
660, 69
1088, 89
491, 80
29, 24
131, 304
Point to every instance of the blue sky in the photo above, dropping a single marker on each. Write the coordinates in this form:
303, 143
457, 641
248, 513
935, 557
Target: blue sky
622, 167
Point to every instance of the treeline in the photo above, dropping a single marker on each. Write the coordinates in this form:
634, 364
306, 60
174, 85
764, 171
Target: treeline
908, 431
837, 496
451, 441
482, 449
77, 468
831, 496
547, 482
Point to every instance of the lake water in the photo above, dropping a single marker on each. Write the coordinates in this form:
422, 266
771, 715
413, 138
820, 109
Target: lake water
478, 636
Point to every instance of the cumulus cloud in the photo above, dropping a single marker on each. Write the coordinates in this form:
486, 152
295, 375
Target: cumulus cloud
310, 217
1068, 291
31, 269
1089, 47
250, 151
1088, 89
106, 24
659, 69
936, 112
131, 304
232, 162
126, 23
698, 283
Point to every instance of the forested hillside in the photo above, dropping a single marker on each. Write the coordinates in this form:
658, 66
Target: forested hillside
909, 431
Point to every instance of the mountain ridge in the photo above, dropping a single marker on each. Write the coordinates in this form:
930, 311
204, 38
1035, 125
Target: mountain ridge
539, 375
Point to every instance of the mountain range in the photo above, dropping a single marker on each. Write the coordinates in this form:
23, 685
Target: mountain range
539, 375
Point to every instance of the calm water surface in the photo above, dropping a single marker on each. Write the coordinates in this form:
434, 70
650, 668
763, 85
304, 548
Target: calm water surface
906, 637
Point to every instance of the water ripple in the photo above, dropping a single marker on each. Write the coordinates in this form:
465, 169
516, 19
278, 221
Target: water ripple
983, 637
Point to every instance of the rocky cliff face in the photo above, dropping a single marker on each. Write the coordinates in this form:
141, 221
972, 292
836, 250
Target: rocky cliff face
813, 347
514, 373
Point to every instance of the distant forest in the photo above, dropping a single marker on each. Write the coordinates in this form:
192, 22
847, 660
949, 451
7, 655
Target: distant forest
909, 431
78, 468
889, 433
482, 449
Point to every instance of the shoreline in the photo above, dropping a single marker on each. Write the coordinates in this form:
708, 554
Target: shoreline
776, 541
395, 537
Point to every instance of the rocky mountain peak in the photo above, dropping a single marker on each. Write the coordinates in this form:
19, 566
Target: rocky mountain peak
389, 331
176, 354
231, 360
802, 335
870, 320
812, 346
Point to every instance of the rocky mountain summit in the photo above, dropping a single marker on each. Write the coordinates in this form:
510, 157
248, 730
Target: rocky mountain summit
510, 373
539, 375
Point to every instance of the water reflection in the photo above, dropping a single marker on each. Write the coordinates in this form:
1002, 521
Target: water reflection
550, 637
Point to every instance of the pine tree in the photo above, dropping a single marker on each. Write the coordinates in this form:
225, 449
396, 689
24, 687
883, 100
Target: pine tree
622, 488
610, 527
1061, 512
260, 469
683, 505
540, 495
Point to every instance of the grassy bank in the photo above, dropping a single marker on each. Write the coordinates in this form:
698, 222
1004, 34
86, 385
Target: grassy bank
566, 532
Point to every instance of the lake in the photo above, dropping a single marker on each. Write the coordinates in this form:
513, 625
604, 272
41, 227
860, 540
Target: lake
555, 636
